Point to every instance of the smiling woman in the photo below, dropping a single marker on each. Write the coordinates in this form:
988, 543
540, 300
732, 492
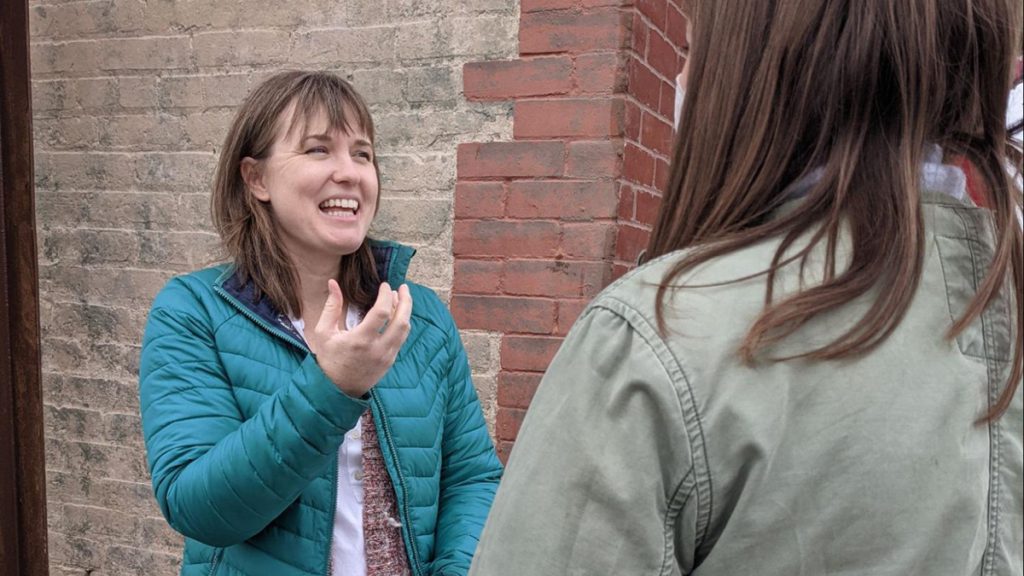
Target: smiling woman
300, 415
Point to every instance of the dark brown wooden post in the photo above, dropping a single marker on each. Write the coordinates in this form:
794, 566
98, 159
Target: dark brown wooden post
22, 463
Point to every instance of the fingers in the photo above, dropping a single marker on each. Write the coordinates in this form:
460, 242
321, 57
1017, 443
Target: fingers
331, 315
377, 317
399, 326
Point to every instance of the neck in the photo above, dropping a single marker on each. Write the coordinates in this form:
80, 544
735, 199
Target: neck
313, 274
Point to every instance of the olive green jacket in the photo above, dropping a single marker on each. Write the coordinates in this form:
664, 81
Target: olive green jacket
648, 455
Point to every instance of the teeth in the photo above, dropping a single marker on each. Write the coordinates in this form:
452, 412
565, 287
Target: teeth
343, 203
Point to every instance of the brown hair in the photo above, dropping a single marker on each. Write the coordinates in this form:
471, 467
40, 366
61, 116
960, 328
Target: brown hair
245, 224
857, 89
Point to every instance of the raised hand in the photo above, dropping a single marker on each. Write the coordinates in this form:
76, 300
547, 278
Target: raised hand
355, 360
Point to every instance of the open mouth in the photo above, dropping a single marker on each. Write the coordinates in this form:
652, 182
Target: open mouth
340, 207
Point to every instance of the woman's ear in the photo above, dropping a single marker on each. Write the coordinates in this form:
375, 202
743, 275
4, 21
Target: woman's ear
253, 178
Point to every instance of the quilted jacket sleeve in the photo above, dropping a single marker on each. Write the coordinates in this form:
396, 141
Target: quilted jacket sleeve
470, 470
218, 478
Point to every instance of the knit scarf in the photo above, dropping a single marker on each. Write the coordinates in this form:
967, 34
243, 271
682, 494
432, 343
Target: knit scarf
382, 532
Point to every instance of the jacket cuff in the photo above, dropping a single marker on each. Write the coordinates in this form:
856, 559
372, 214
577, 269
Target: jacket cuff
331, 403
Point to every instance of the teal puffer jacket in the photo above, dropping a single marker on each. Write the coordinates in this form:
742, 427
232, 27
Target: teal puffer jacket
242, 431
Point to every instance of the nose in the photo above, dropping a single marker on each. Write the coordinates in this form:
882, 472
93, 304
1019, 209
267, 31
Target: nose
343, 170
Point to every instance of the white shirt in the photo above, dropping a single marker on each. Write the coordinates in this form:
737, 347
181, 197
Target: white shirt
348, 551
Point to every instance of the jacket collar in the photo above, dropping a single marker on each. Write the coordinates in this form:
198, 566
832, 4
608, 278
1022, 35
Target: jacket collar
391, 259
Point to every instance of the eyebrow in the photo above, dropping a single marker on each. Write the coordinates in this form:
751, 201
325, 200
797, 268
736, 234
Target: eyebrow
327, 138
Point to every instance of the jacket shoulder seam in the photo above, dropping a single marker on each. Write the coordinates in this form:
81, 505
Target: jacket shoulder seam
692, 423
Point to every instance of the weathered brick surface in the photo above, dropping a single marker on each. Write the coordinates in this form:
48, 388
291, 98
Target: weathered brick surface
544, 222
131, 102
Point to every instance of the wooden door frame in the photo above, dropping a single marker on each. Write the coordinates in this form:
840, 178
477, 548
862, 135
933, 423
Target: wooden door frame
22, 461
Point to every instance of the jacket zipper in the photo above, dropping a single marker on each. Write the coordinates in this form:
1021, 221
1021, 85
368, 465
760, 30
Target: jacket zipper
404, 510
334, 510
216, 560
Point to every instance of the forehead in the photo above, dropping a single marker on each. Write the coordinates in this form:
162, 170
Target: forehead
297, 121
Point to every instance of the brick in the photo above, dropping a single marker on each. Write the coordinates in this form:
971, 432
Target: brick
161, 53
505, 238
504, 449
479, 200
98, 322
478, 276
105, 460
181, 92
648, 206
618, 270
70, 20
675, 26
571, 31
483, 36
424, 39
656, 134
482, 350
567, 118
568, 312
73, 423
379, 87
640, 31
241, 48
506, 314
666, 106
600, 73
49, 95
528, 353
131, 561
638, 165
511, 159
540, 5
431, 84
445, 126
500, 80
661, 175
590, 241
654, 10
343, 46
630, 241
633, 121
417, 172
662, 56
74, 551
64, 59
627, 202
129, 497
593, 159
137, 92
154, 533
508, 422
412, 219
516, 389
433, 267
92, 521
562, 199
644, 85
548, 278
90, 394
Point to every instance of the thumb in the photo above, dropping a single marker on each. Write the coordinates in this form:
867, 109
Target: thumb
331, 314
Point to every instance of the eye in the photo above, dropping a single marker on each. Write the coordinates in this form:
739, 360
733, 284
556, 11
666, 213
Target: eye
364, 154
317, 150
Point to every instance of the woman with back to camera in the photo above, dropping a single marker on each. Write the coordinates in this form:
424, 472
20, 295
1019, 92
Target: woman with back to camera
819, 372
301, 417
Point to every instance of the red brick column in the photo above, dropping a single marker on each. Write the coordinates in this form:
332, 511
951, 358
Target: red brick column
544, 222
